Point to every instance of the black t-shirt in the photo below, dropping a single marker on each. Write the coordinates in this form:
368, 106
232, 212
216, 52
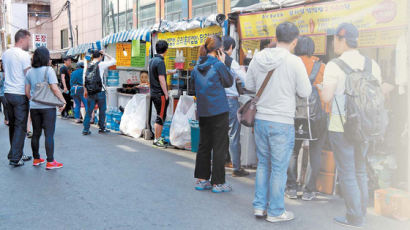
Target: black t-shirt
156, 68
64, 70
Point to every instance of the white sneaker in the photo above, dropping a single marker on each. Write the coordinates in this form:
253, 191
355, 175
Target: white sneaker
286, 216
259, 213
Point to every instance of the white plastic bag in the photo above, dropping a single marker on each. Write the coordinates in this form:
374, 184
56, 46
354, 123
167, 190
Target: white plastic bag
133, 121
180, 131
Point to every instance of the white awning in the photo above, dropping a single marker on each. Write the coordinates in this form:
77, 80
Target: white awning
81, 49
139, 34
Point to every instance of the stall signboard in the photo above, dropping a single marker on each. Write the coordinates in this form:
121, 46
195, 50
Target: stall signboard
189, 38
323, 18
127, 55
39, 40
123, 54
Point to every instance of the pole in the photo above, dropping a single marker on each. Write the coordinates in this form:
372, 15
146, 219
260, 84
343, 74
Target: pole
69, 23
2, 26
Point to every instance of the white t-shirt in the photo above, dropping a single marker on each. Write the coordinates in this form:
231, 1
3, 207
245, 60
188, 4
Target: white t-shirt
15, 61
334, 75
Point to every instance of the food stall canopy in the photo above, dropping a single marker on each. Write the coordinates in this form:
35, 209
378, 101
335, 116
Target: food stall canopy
272, 4
143, 34
189, 24
380, 22
81, 49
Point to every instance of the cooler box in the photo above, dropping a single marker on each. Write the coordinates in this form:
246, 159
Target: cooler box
194, 136
327, 162
393, 203
108, 116
165, 131
116, 121
113, 78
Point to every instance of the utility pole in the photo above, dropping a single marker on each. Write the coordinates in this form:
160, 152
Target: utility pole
69, 23
2, 25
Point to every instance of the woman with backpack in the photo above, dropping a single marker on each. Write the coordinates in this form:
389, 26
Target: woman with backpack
43, 116
210, 77
315, 68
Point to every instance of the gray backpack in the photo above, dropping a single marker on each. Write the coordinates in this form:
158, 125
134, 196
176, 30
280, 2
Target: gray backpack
366, 116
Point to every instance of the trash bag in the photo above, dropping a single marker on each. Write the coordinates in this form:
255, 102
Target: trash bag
134, 120
180, 132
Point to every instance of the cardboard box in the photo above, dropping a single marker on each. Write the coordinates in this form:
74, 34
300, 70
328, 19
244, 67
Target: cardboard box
325, 182
393, 203
327, 162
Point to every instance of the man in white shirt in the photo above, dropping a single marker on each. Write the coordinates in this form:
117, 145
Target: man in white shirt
99, 97
16, 63
350, 158
274, 124
232, 95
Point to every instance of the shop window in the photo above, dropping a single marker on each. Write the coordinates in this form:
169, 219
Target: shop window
64, 38
173, 10
203, 8
117, 15
146, 13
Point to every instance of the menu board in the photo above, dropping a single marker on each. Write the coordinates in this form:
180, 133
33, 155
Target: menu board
123, 54
127, 58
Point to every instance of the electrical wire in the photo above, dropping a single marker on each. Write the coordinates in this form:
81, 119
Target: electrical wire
65, 6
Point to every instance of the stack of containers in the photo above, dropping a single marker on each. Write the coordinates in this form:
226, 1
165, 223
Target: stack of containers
326, 179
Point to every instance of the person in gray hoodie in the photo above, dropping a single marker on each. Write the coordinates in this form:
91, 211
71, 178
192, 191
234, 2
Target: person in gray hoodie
274, 125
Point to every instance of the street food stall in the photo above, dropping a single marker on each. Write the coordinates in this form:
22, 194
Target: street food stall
184, 39
383, 32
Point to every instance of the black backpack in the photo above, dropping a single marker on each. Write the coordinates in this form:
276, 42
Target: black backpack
93, 82
310, 118
366, 116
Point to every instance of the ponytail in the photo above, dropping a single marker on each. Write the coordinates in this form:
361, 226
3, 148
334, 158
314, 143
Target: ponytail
202, 51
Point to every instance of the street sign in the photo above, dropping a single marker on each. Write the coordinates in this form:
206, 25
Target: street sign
39, 40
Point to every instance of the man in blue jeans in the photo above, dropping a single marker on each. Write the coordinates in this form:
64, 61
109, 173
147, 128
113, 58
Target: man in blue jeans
16, 63
98, 98
274, 125
350, 158
234, 126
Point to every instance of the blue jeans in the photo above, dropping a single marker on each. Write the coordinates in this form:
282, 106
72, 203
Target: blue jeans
274, 146
43, 119
78, 98
17, 111
234, 134
352, 175
101, 101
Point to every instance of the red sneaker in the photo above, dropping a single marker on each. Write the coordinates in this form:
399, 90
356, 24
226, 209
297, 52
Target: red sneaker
37, 162
53, 165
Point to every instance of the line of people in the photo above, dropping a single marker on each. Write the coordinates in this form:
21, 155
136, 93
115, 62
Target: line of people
214, 79
20, 74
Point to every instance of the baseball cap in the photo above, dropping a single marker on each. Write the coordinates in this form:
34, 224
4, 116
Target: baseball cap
349, 32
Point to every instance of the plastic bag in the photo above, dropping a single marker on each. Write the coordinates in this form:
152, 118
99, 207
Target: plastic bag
133, 121
180, 132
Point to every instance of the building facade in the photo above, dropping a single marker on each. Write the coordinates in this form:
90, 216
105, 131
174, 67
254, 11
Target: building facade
85, 19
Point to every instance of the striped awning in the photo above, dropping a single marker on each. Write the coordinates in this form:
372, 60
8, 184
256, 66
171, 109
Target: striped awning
81, 49
139, 34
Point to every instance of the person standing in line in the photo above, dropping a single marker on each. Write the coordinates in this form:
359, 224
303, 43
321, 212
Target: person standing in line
305, 49
2, 98
232, 95
274, 124
159, 91
43, 116
77, 91
209, 78
98, 67
16, 63
350, 157
65, 73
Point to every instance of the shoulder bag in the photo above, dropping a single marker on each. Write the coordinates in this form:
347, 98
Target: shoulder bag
247, 112
44, 95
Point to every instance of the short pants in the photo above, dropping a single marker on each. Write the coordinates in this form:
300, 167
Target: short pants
161, 106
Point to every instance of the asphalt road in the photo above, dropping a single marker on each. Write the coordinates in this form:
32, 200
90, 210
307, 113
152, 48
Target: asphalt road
116, 182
